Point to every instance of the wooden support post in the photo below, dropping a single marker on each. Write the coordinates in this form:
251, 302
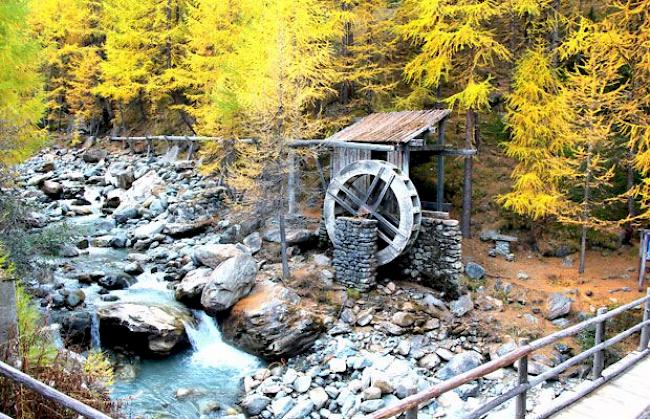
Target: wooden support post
643, 246
645, 332
149, 146
321, 173
292, 185
599, 357
522, 373
466, 219
283, 248
440, 179
413, 412
190, 150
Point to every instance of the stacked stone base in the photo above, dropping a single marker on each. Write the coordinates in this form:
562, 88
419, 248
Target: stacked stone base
435, 257
355, 246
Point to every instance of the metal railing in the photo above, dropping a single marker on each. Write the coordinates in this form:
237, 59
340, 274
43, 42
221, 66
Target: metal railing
409, 406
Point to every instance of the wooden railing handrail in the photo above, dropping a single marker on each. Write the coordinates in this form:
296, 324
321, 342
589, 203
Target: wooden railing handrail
50, 393
413, 402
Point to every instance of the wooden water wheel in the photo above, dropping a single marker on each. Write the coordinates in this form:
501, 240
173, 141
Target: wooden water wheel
376, 189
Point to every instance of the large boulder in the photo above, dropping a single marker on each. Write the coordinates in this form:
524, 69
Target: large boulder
146, 329
293, 235
189, 290
229, 283
93, 155
459, 364
148, 185
213, 255
558, 305
52, 189
271, 323
147, 231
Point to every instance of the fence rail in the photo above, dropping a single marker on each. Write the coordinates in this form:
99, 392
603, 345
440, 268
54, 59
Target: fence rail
410, 405
50, 393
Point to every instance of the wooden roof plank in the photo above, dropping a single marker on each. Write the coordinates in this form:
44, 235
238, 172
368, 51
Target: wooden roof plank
392, 127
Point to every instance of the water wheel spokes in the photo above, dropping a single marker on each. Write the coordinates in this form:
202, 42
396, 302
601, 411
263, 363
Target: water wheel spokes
377, 190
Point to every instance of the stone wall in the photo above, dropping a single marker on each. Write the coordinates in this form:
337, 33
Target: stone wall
435, 257
355, 246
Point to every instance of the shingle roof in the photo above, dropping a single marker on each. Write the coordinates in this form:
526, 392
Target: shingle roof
391, 127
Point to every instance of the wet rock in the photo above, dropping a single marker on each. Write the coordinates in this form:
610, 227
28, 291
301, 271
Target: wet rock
254, 404
68, 251
319, 397
52, 189
115, 281
147, 329
133, 268
213, 255
271, 323
461, 306
474, 271
74, 298
125, 214
557, 305
188, 229
189, 290
231, 281
459, 364
75, 327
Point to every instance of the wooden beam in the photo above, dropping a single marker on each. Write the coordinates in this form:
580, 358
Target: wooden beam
341, 144
50, 393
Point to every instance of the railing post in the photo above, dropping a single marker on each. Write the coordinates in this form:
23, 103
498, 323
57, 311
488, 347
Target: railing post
599, 356
645, 331
522, 369
412, 413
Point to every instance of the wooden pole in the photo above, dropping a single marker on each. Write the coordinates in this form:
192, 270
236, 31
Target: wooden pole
645, 332
50, 393
599, 357
292, 185
440, 181
412, 413
466, 219
642, 257
522, 372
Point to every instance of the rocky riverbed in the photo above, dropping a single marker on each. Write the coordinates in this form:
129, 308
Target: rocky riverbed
160, 268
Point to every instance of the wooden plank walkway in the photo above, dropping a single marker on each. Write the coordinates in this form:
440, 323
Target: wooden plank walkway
625, 397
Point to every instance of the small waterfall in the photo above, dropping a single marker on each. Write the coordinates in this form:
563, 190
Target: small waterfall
95, 340
210, 349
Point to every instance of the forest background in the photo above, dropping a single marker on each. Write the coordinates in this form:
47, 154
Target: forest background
564, 86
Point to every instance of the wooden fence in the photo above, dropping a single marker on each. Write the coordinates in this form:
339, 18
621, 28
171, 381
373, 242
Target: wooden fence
409, 406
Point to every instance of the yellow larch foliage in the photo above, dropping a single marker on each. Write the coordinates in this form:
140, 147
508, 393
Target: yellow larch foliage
538, 120
21, 88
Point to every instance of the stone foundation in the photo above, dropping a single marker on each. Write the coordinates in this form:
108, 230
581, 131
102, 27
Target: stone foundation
355, 246
435, 257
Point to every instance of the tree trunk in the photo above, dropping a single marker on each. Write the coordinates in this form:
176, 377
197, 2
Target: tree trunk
467, 175
347, 89
585, 211
631, 210
292, 185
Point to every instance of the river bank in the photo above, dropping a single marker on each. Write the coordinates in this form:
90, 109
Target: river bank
185, 295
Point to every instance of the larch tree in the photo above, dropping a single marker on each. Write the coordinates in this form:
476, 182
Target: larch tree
457, 51
593, 89
538, 120
71, 37
21, 85
632, 17
369, 57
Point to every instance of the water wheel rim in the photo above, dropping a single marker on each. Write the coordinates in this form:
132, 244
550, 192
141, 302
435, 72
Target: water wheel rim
399, 185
